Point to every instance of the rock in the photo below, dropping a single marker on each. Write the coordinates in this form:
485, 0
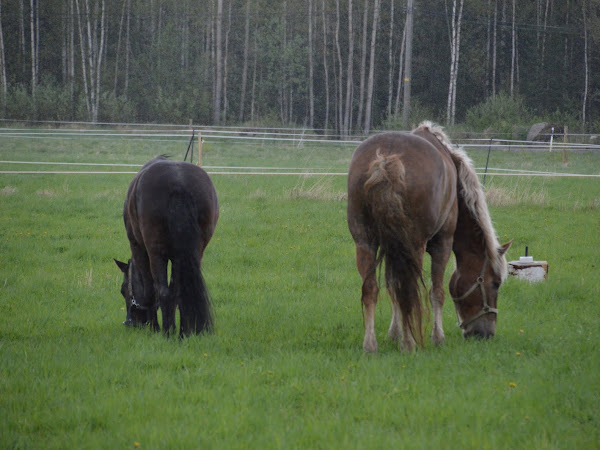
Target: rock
542, 131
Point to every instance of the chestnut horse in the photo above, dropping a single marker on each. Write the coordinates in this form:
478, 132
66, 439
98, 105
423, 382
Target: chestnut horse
170, 214
411, 193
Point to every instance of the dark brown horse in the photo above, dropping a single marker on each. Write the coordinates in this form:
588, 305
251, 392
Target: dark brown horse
170, 214
411, 193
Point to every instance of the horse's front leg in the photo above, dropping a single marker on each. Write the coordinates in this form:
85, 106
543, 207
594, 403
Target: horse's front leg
365, 262
439, 258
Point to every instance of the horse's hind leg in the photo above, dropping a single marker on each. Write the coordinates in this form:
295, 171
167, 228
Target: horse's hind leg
163, 297
365, 262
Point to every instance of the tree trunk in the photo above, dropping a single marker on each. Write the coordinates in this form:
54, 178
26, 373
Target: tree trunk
22, 44
34, 71
586, 65
408, 64
92, 51
245, 63
219, 65
494, 48
349, 73
400, 73
390, 62
127, 49
311, 70
325, 67
513, 58
119, 39
225, 65
252, 102
371, 80
488, 50
340, 99
456, 21
2, 65
363, 63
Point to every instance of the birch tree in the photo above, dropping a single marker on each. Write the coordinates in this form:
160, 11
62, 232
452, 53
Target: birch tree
325, 65
92, 50
311, 70
456, 21
371, 80
349, 73
2, 64
363, 63
340, 82
34, 52
585, 63
390, 62
219, 65
245, 61
513, 54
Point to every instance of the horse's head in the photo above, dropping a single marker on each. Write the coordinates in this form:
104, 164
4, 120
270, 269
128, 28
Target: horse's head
474, 288
132, 290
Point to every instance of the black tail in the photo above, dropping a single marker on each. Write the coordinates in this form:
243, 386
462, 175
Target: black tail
403, 262
188, 241
192, 296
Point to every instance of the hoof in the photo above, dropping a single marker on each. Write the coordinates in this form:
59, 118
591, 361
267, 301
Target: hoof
370, 345
438, 337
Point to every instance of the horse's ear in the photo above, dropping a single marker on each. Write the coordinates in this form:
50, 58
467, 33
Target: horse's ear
504, 248
121, 265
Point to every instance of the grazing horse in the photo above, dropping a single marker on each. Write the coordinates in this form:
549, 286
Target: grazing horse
411, 193
170, 214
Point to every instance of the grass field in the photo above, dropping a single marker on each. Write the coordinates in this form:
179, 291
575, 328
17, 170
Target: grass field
285, 367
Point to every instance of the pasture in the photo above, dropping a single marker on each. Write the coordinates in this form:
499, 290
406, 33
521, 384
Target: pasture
285, 366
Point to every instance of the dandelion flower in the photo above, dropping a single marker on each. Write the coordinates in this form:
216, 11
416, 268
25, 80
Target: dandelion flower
512, 384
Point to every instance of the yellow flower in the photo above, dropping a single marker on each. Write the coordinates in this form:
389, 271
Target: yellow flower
518, 353
136, 444
512, 384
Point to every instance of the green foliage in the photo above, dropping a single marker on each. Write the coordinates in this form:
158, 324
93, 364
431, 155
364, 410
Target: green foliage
285, 366
19, 103
116, 109
499, 116
418, 113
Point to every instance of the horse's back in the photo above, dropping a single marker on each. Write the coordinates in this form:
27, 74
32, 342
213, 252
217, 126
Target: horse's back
170, 200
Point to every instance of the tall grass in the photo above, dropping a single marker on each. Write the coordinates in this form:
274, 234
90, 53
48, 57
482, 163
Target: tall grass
285, 367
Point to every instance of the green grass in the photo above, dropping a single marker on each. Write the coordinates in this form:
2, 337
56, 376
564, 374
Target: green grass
285, 367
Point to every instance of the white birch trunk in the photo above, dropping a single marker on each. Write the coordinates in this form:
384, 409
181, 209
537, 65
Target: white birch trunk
349, 73
371, 80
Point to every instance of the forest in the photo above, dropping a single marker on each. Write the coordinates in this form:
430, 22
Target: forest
349, 66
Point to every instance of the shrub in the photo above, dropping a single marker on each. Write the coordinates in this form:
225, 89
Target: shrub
503, 115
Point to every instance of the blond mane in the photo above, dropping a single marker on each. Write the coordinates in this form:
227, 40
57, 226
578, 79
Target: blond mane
471, 191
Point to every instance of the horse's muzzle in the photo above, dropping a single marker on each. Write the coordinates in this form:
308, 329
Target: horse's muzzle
479, 334
131, 323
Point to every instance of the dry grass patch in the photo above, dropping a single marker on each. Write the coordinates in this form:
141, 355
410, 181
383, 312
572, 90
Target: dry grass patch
8, 190
516, 195
319, 189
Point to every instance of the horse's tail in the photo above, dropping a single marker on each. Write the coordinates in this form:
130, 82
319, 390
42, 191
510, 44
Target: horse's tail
188, 242
192, 295
403, 262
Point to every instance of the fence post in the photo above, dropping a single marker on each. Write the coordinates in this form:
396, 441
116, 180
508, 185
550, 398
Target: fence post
564, 159
199, 148
487, 161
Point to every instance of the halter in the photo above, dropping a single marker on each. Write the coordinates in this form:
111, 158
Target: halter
485, 309
130, 289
